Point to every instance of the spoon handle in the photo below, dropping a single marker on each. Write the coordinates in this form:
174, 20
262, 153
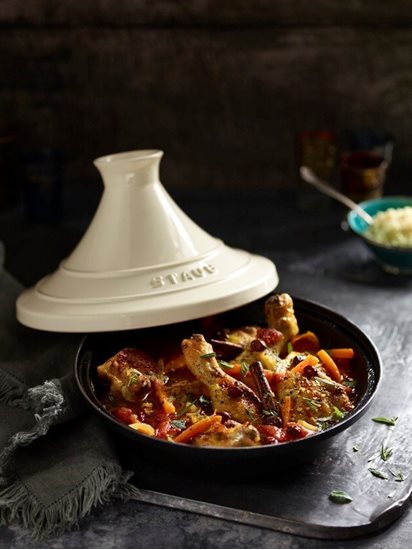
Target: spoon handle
308, 175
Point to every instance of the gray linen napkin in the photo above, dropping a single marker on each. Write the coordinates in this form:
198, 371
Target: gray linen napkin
56, 461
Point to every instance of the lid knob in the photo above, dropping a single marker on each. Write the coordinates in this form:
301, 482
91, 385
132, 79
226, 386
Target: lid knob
137, 224
132, 167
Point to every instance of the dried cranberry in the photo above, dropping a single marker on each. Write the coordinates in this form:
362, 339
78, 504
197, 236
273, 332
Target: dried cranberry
297, 359
294, 431
231, 423
310, 371
225, 417
270, 336
269, 434
274, 421
206, 407
258, 345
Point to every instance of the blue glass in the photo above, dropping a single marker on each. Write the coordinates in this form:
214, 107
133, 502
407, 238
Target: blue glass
393, 259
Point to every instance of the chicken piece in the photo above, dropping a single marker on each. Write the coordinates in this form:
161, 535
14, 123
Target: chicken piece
226, 394
242, 336
234, 435
183, 391
265, 347
129, 372
314, 397
281, 316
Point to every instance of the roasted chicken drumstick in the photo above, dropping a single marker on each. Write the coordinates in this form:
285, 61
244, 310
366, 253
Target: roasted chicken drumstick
281, 316
226, 394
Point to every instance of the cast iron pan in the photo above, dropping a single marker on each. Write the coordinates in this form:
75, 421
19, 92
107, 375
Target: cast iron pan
333, 330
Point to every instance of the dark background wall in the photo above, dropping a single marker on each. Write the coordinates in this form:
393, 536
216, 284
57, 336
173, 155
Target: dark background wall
223, 86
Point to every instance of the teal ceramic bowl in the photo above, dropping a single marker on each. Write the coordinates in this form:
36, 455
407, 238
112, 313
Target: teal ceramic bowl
393, 259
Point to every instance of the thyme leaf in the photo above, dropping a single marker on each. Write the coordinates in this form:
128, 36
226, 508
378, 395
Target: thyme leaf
386, 453
337, 413
313, 404
225, 365
340, 497
325, 381
190, 400
398, 476
250, 415
244, 369
270, 413
385, 420
203, 400
378, 473
178, 424
133, 378
350, 383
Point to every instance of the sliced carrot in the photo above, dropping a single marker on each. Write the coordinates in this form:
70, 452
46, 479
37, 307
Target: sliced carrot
307, 341
235, 371
285, 409
167, 405
330, 365
341, 353
310, 360
197, 428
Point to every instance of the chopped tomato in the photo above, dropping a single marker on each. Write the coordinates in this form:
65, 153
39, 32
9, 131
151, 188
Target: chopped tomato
163, 429
276, 378
295, 431
270, 434
125, 415
161, 422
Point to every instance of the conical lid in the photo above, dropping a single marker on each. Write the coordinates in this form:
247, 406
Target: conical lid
142, 262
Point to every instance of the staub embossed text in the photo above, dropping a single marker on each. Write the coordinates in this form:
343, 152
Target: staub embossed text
177, 277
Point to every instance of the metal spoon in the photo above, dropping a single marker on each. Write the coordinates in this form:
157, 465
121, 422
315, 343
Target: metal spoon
310, 177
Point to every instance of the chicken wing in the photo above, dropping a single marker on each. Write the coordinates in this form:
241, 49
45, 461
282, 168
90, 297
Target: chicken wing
227, 394
235, 435
313, 397
281, 316
129, 372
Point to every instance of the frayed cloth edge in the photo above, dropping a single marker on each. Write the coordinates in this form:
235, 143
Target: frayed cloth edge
47, 403
104, 483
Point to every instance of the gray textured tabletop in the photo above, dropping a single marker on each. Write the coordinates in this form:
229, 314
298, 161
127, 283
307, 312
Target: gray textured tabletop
315, 260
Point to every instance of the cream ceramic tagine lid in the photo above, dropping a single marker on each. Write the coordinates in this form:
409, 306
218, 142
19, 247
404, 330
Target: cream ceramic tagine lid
142, 262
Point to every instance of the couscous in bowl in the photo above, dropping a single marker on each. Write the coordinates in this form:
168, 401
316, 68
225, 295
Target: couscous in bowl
395, 257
